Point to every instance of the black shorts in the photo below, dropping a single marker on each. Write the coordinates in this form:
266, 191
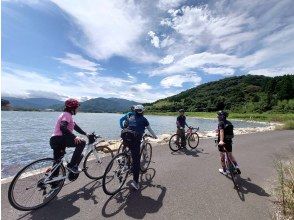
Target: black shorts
228, 147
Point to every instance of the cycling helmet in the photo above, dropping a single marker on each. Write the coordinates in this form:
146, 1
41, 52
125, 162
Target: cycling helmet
222, 114
181, 110
139, 108
72, 104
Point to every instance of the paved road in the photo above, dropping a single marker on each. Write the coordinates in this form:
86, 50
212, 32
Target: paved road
185, 185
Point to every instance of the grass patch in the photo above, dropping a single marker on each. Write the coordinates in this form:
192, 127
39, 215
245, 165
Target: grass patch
285, 189
289, 125
265, 117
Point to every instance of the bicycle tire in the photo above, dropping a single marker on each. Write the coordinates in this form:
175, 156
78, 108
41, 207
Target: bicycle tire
108, 168
96, 175
171, 144
196, 136
150, 156
120, 149
11, 197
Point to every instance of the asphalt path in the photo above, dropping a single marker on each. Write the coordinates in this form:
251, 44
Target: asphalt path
181, 185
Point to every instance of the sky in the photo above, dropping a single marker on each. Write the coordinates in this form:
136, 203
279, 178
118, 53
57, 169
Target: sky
139, 50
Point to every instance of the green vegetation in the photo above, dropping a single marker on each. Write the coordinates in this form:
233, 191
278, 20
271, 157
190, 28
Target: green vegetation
288, 119
242, 94
285, 189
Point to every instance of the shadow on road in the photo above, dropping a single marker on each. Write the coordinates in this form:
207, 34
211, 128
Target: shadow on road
245, 186
63, 207
134, 203
188, 152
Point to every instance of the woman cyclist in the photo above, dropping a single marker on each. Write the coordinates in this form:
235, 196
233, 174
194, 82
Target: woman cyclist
63, 136
136, 124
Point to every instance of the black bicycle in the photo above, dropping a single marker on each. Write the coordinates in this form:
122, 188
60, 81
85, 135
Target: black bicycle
119, 167
230, 166
40, 181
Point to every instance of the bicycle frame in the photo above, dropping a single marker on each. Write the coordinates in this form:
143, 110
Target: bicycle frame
89, 147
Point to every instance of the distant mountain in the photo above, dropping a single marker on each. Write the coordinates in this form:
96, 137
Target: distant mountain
32, 103
106, 105
91, 105
245, 93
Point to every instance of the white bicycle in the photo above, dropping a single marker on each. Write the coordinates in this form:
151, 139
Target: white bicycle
40, 181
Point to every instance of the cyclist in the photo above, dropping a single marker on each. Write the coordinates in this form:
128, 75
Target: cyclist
123, 121
133, 133
63, 136
181, 123
225, 135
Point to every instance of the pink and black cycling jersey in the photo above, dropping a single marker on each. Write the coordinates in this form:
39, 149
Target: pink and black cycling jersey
64, 117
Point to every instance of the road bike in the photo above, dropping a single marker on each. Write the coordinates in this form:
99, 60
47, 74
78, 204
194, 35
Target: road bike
230, 166
191, 136
40, 181
145, 152
119, 168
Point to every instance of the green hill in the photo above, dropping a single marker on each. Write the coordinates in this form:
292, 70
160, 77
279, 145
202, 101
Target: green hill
245, 93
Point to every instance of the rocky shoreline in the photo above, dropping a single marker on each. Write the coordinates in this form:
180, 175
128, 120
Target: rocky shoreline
164, 138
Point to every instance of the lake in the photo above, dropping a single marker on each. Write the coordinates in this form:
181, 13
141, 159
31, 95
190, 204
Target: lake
25, 135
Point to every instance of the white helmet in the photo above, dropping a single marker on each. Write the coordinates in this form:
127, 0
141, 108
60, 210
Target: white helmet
139, 108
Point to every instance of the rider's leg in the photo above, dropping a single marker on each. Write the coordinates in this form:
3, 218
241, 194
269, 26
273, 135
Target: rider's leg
183, 138
77, 155
222, 157
135, 150
57, 145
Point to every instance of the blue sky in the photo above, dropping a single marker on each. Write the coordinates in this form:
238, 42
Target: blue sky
140, 50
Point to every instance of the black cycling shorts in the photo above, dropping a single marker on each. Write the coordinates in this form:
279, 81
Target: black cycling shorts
228, 147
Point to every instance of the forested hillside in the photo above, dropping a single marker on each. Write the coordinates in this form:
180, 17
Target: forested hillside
246, 93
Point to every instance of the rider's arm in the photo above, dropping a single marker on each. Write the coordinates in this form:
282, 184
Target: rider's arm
121, 121
65, 131
221, 135
79, 130
151, 131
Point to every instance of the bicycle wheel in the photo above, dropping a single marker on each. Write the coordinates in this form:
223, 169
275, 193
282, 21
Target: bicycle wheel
120, 149
175, 142
193, 140
231, 169
116, 174
27, 191
96, 161
145, 158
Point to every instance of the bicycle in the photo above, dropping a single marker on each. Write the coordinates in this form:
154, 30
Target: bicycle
191, 136
230, 166
146, 152
40, 181
121, 165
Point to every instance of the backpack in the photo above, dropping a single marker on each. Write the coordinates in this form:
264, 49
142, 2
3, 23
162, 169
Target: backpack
128, 136
229, 130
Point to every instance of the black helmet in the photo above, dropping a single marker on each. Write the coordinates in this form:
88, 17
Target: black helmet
222, 114
181, 110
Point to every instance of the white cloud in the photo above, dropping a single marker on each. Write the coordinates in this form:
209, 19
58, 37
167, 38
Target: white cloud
168, 4
200, 60
167, 59
77, 61
219, 70
20, 83
110, 28
142, 87
154, 39
166, 42
178, 80
272, 72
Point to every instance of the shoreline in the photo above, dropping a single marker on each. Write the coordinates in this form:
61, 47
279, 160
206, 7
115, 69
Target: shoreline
164, 139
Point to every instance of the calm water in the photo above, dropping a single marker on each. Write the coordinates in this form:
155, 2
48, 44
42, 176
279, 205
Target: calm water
25, 135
